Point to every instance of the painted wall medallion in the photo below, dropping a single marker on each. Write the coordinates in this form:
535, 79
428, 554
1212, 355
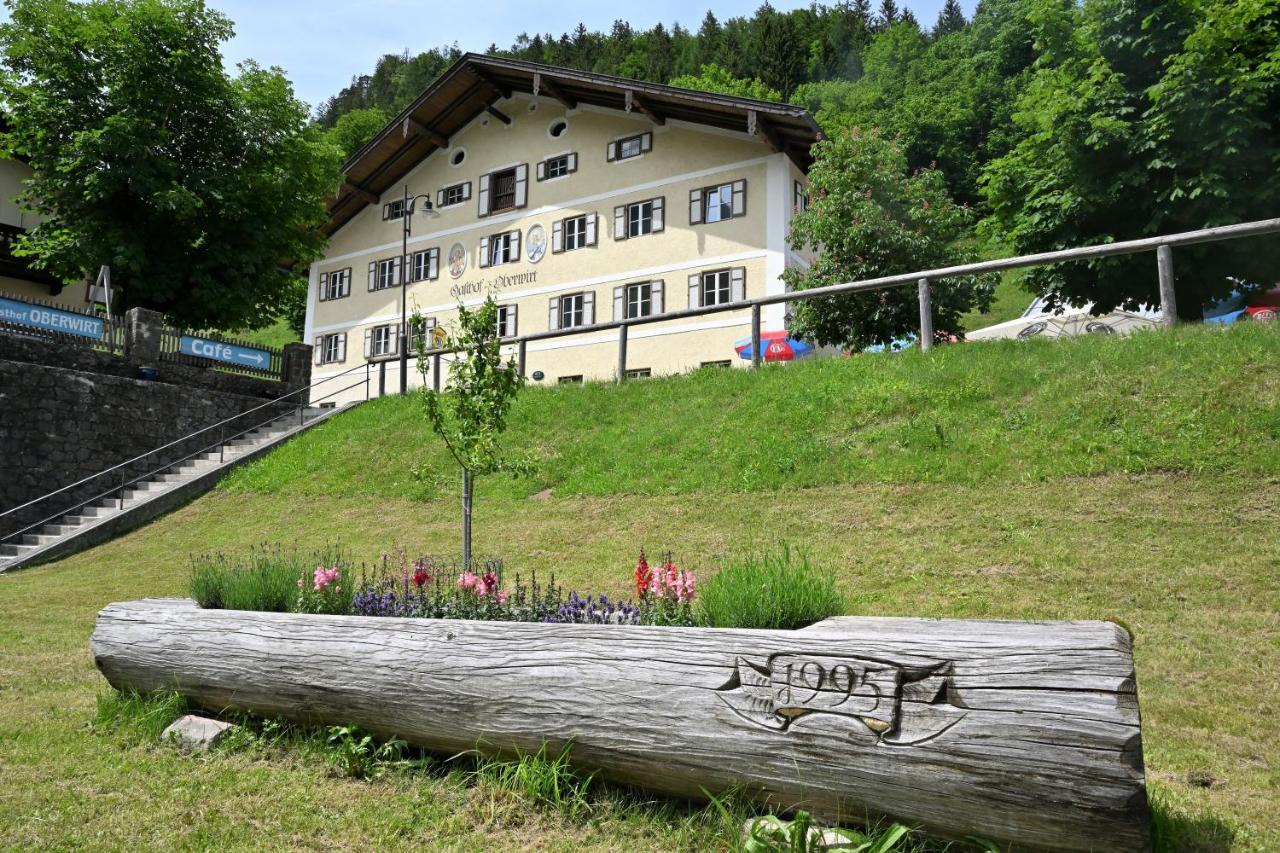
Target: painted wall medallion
457, 260
536, 243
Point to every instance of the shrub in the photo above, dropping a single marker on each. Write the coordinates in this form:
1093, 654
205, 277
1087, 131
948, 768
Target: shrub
268, 579
779, 590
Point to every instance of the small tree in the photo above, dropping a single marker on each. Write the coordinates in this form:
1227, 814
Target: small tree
869, 217
471, 413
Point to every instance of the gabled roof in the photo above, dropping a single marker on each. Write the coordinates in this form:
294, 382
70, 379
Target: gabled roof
474, 83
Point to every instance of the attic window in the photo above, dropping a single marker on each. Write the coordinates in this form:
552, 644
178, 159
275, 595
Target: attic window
558, 127
457, 157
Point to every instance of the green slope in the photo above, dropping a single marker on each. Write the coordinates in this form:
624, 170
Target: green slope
1194, 400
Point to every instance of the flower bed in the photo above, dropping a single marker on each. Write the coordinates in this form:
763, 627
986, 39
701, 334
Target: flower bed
275, 580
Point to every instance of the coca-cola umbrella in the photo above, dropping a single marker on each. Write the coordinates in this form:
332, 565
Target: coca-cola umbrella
777, 346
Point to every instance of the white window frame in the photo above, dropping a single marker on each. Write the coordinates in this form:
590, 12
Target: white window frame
735, 278
564, 165
643, 144
393, 210
331, 348
335, 284
453, 195
703, 201
382, 341
638, 299
508, 320
625, 215
800, 202
425, 265
384, 273
501, 248
575, 233
581, 310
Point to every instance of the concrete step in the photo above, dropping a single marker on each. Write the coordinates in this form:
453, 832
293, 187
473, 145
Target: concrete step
58, 528
38, 538
15, 550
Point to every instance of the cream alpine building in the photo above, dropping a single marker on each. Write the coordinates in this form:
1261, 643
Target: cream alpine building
572, 198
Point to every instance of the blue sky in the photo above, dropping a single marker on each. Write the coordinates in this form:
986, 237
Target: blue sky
322, 44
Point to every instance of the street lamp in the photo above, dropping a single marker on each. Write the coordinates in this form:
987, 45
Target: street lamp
407, 217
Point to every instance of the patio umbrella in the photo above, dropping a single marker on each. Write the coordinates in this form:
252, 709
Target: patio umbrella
777, 346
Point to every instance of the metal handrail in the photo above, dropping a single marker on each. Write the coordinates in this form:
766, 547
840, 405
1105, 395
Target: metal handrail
1125, 247
222, 440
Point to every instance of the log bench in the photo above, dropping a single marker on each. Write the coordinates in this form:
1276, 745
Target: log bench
1023, 733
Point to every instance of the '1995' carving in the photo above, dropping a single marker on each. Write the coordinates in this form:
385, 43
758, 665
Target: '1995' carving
788, 687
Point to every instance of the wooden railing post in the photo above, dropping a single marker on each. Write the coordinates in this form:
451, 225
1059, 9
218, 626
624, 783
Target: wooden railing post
757, 357
520, 355
926, 315
382, 379
622, 353
435, 371
1168, 300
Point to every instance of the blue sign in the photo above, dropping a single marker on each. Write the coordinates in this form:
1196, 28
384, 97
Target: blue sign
223, 352
51, 319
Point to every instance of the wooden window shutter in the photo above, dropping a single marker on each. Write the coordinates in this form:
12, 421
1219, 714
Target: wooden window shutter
514, 253
510, 326
542, 170
386, 211
342, 347
483, 208
393, 332
433, 264
611, 152
739, 197
439, 198
466, 191
695, 291
317, 349
592, 220
395, 269
620, 222
695, 207
557, 237
573, 161
646, 142
658, 214
588, 308
553, 313
324, 286
738, 284
619, 304
373, 275
368, 342
522, 185
483, 260
655, 295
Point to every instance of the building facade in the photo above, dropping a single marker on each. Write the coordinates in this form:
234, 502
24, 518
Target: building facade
572, 199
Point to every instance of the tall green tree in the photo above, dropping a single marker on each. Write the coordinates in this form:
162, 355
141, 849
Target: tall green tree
193, 185
780, 54
869, 216
950, 19
1145, 118
470, 415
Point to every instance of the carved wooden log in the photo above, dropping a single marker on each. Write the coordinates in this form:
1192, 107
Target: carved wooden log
1019, 732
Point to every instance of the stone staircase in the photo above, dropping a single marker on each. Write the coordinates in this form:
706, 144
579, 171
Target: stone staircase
144, 500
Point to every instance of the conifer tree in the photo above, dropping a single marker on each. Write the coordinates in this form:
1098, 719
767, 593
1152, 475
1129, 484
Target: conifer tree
950, 19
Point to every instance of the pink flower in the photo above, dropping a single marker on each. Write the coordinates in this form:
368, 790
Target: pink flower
324, 577
502, 596
467, 580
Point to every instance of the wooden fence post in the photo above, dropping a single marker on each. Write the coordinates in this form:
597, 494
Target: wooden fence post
622, 353
757, 357
1168, 300
926, 315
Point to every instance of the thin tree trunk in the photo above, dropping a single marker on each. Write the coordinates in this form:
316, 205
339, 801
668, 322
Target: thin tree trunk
466, 518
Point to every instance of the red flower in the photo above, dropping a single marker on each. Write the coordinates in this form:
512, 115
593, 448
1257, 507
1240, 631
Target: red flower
420, 577
644, 576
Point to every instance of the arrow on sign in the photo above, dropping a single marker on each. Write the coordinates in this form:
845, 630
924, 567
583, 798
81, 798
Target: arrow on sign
251, 356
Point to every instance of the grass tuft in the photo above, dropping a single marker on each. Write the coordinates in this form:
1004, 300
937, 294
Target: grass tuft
780, 590
549, 781
266, 578
137, 716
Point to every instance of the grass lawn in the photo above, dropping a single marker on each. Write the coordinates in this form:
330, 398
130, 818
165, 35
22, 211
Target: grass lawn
276, 335
1091, 480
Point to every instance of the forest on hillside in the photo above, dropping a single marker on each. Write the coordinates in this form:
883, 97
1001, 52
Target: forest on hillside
1059, 123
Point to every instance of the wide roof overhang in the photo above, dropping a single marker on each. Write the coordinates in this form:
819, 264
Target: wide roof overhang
476, 83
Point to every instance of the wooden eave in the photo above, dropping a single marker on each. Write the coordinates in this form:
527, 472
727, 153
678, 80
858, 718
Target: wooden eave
475, 83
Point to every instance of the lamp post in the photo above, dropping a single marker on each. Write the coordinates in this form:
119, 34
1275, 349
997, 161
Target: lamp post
406, 217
